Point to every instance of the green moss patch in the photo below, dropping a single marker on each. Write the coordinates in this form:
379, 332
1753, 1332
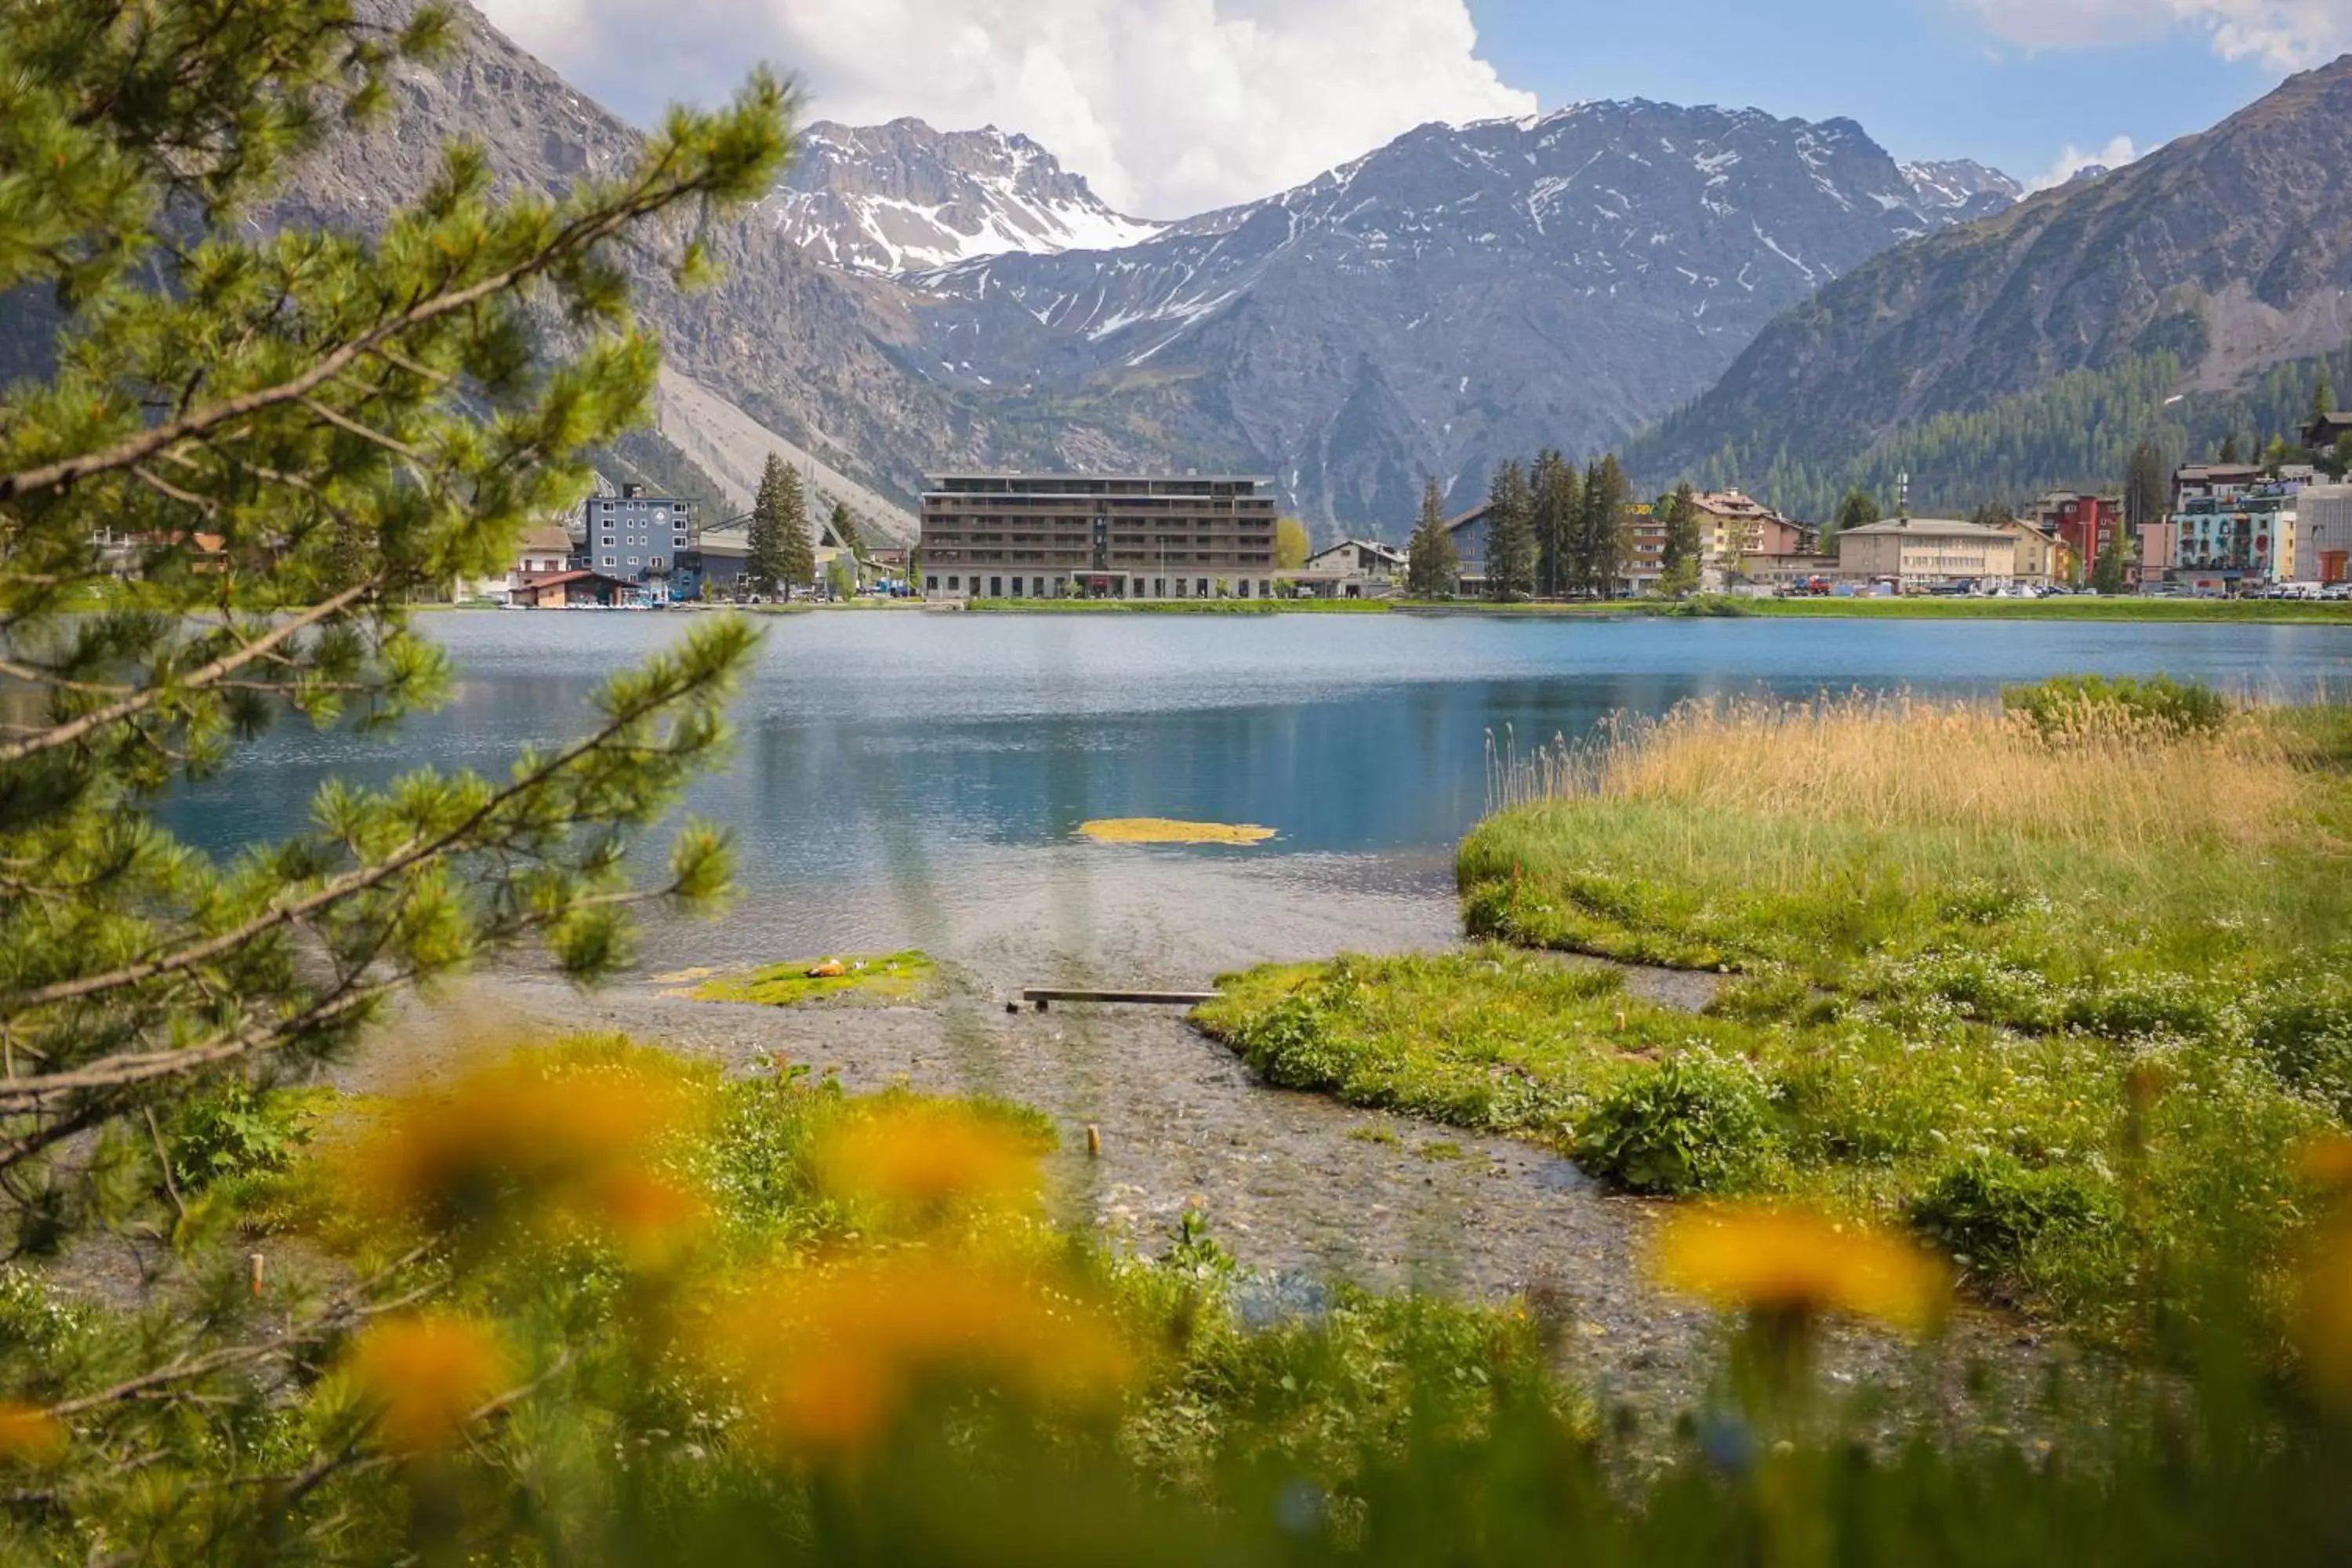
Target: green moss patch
891, 977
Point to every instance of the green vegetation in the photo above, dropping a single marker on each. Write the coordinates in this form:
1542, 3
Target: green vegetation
2061, 984
1185, 606
1431, 570
2065, 607
2084, 427
893, 977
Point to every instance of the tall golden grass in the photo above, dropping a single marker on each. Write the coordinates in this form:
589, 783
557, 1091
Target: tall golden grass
1898, 761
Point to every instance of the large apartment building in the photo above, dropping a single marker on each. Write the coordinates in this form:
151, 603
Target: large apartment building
635, 536
1097, 536
2234, 524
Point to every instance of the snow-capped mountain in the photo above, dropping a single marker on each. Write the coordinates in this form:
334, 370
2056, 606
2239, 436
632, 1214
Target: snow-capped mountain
1961, 190
903, 198
1460, 295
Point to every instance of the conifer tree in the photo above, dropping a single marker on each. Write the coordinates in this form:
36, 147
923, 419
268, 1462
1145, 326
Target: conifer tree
1681, 548
844, 528
1431, 565
1859, 510
796, 541
1603, 538
1511, 534
315, 404
766, 567
2147, 486
2231, 451
1557, 496
2323, 394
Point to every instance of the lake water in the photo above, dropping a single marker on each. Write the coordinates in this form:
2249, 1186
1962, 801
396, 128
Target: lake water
908, 779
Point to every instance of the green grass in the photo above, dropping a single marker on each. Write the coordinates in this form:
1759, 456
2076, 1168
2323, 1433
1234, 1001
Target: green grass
882, 979
1183, 606
1779, 1090
2074, 1057
2074, 608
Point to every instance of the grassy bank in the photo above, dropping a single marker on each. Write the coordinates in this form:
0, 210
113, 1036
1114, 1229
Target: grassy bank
2074, 608
2062, 989
1183, 606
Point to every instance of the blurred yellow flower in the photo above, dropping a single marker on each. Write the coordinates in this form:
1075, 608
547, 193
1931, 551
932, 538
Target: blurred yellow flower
2326, 1323
926, 1155
1786, 1261
831, 1356
2328, 1160
426, 1376
29, 1433
531, 1138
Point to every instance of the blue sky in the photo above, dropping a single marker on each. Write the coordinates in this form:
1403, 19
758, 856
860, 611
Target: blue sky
1926, 80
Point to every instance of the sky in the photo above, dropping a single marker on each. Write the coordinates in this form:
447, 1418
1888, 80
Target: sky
1173, 107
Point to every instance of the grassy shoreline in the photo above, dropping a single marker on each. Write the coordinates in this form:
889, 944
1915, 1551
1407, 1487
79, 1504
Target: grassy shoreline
2067, 1000
2257, 612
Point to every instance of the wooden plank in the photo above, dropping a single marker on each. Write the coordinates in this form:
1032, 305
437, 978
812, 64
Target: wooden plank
1043, 994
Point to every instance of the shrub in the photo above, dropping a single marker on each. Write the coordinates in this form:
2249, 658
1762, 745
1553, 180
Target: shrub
232, 1130
2306, 1039
2069, 704
1990, 1210
1701, 1123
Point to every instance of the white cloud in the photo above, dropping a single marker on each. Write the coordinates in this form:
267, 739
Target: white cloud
2286, 35
1168, 106
2073, 161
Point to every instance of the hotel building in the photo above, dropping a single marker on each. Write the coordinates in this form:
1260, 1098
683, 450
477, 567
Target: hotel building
1124, 536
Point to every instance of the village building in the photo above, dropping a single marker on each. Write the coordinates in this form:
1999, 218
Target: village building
1351, 569
1922, 552
2235, 524
2043, 559
2323, 534
635, 536
1109, 536
579, 589
2087, 525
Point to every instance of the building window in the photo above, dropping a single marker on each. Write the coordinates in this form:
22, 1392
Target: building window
931, 584
632, 561
608, 539
1203, 588
955, 584
996, 587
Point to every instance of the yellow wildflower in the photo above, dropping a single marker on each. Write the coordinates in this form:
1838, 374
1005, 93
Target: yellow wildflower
1786, 1261
2328, 1160
29, 1434
832, 1356
926, 1155
426, 1376
1164, 830
2326, 1322
525, 1137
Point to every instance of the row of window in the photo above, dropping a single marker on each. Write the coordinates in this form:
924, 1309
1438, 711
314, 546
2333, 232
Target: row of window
1002, 588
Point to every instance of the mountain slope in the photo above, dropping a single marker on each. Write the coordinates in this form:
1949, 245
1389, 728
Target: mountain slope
2232, 250
800, 351
1460, 295
903, 198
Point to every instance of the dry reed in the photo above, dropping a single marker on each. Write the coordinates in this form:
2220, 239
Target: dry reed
1897, 761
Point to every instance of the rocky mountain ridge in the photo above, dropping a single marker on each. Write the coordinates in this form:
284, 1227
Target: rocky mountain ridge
1460, 295
2230, 249
903, 198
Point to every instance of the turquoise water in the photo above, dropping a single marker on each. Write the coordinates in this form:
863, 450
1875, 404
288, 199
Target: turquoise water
912, 777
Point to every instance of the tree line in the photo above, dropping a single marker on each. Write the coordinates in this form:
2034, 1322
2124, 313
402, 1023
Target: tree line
1554, 530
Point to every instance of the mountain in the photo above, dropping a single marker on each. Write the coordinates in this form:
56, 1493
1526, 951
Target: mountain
1460, 295
2229, 251
902, 197
782, 352
1960, 189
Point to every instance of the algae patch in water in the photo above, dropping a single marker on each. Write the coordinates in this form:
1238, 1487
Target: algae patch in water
1163, 830
895, 977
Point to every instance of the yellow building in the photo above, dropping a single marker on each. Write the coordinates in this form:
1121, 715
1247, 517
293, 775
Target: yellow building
2041, 557
1919, 551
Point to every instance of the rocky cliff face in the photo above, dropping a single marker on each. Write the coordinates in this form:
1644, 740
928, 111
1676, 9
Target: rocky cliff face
903, 198
1459, 296
2231, 249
